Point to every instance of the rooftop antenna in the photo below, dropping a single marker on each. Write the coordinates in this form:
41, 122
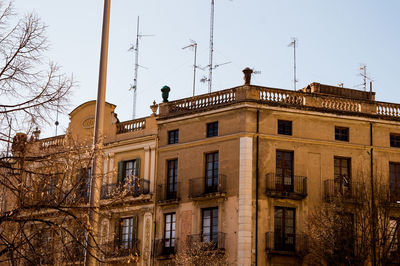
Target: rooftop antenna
363, 74
205, 79
193, 45
293, 43
136, 49
210, 65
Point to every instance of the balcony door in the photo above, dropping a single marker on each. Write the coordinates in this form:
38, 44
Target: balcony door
210, 225
172, 179
284, 171
342, 175
169, 233
394, 182
211, 175
284, 236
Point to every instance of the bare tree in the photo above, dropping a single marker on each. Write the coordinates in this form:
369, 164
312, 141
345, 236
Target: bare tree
355, 226
199, 253
31, 87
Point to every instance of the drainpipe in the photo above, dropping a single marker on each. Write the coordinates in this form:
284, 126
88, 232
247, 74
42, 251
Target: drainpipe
372, 197
257, 177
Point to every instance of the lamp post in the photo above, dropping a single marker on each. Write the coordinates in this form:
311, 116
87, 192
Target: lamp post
91, 256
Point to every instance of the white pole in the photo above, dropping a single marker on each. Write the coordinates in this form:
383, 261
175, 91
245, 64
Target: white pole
91, 256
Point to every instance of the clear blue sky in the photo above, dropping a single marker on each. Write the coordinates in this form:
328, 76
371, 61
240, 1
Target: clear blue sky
334, 38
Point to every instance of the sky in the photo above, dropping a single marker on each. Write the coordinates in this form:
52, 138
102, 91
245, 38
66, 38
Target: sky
334, 39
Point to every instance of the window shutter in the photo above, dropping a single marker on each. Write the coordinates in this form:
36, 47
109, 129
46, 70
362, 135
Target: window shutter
121, 171
117, 233
137, 162
135, 228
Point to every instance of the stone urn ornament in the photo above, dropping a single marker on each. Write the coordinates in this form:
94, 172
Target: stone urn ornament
165, 93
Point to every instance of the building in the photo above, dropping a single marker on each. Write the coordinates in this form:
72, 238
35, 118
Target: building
242, 168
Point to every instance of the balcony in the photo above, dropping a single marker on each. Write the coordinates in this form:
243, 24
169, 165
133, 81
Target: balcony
292, 188
199, 189
165, 248
135, 188
118, 249
214, 241
286, 244
168, 193
351, 192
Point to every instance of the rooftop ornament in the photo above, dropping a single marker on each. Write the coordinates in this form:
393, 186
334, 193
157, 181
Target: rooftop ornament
247, 75
165, 93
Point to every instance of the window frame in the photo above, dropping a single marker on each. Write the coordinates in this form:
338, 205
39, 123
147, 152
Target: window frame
281, 181
212, 129
173, 136
341, 185
130, 241
285, 127
394, 182
212, 236
394, 140
211, 175
281, 242
342, 133
169, 243
172, 178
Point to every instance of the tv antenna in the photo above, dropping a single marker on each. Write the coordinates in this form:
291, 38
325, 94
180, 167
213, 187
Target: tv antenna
293, 44
363, 74
205, 79
193, 45
135, 48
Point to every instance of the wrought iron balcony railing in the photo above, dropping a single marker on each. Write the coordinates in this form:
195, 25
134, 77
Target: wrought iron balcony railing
168, 192
166, 247
351, 191
116, 249
135, 188
276, 242
206, 187
294, 187
214, 241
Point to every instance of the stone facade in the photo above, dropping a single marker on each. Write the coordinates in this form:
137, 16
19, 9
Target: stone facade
214, 165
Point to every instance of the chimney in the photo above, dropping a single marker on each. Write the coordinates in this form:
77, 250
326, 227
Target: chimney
247, 75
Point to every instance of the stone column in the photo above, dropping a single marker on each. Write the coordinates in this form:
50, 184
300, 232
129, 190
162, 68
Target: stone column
147, 237
245, 201
152, 167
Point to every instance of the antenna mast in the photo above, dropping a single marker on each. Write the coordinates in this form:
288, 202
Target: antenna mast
363, 74
210, 65
293, 43
194, 45
134, 87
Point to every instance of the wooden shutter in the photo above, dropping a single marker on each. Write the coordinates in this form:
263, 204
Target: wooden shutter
117, 232
137, 162
121, 172
135, 228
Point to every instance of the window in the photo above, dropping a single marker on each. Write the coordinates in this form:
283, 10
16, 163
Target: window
212, 129
127, 170
284, 236
395, 140
211, 175
173, 136
342, 176
284, 171
394, 182
169, 233
172, 179
342, 133
285, 127
210, 225
127, 233
83, 181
